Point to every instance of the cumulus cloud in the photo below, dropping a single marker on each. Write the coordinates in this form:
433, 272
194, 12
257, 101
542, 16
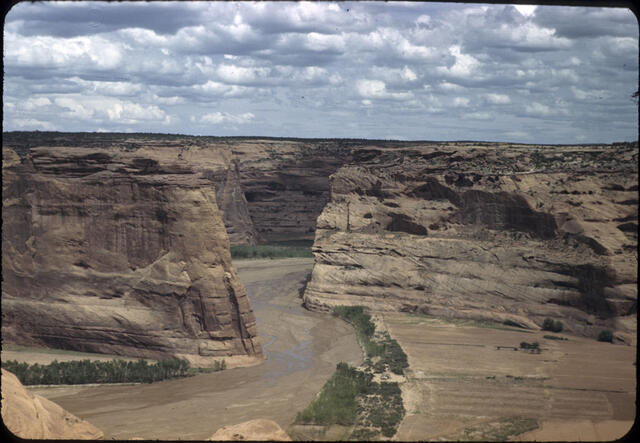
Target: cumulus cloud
223, 117
366, 69
378, 89
498, 99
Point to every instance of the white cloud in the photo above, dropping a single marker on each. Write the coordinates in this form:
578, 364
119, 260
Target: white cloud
238, 75
299, 62
447, 86
498, 99
127, 112
223, 117
44, 51
322, 42
598, 94
526, 10
33, 103
221, 89
378, 89
460, 102
32, 123
465, 65
408, 74
74, 108
538, 109
480, 116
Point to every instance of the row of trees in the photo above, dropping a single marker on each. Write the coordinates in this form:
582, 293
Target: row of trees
85, 371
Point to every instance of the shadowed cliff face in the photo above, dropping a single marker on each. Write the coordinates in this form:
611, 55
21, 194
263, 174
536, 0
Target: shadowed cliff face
511, 234
124, 252
286, 184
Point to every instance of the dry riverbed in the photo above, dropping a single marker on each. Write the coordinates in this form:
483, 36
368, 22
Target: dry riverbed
302, 350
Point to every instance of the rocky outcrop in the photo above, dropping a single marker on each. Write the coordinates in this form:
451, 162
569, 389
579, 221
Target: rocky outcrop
252, 430
124, 251
31, 416
286, 183
485, 231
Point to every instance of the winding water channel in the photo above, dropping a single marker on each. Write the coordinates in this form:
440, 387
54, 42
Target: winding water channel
302, 350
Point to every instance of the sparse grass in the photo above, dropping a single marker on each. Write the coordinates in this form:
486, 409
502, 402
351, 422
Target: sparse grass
240, 252
500, 430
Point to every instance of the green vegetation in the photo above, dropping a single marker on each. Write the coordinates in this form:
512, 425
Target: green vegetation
351, 397
114, 371
551, 325
270, 251
382, 408
337, 402
534, 345
605, 335
511, 323
392, 357
554, 337
361, 321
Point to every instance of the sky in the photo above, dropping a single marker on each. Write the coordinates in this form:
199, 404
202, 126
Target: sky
383, 70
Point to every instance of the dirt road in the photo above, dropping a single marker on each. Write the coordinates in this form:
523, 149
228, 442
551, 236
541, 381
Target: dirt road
302, 350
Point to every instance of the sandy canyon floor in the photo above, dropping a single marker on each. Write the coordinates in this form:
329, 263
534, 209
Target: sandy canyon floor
302, 350
460, 385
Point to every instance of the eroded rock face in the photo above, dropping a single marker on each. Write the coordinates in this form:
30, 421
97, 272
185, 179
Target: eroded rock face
34, 417
252, 430
286, 183
123, 251
506, 233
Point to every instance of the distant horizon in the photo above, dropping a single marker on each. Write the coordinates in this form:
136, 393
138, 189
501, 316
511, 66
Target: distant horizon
271, 137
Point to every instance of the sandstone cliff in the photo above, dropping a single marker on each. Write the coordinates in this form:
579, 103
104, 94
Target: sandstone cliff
34, 417
286, 183
484, 231
123, 250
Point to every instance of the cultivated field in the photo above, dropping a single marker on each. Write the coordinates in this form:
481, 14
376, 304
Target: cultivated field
460, 386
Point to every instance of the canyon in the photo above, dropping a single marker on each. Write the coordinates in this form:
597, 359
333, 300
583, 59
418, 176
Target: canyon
119, 243
505, 233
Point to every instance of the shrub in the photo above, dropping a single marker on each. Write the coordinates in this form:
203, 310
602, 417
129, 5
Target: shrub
85, 371
552, 325
269, 251
337, 401
605, 335
554, 337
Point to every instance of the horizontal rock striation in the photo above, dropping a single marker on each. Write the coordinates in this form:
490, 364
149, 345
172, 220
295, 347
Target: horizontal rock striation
484, 231
124, 251
286, 183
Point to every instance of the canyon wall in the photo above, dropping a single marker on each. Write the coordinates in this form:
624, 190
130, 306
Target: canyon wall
123, 250
497, 232
286, 183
